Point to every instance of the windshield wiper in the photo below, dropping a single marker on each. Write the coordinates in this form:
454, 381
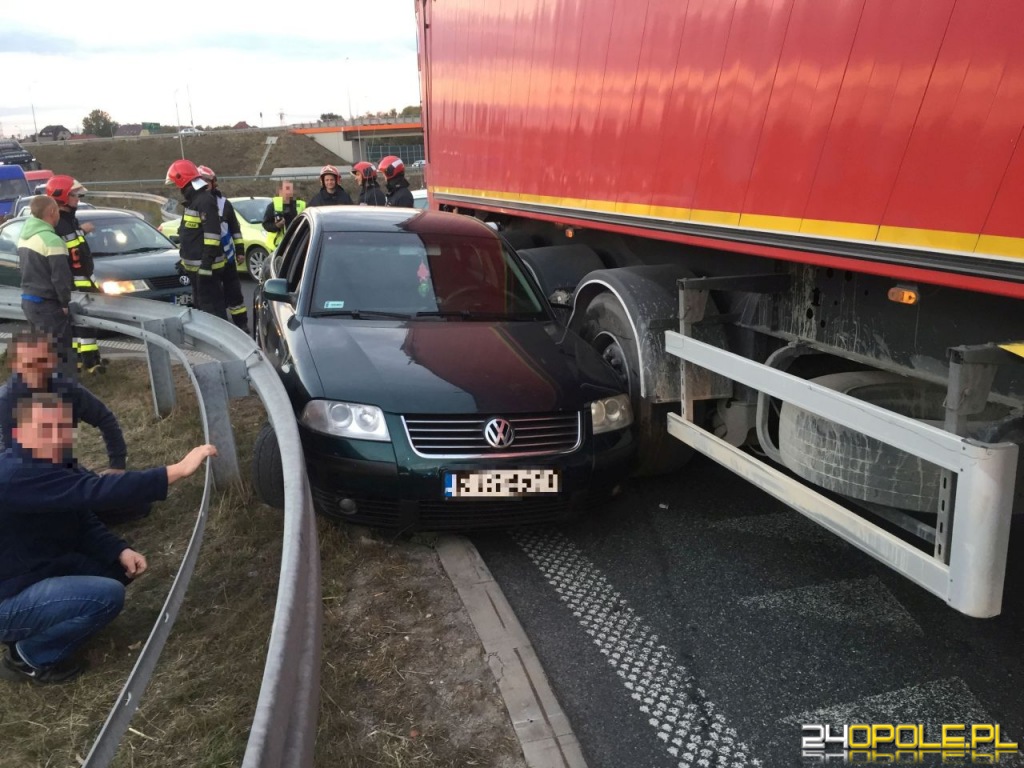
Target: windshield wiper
358, 313
467, 314
144, 249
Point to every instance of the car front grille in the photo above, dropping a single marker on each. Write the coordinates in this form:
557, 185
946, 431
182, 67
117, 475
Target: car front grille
165, 281
462, 437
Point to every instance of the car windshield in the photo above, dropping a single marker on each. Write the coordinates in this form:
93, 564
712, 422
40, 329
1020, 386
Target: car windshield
251, 210
461, 278
124, 235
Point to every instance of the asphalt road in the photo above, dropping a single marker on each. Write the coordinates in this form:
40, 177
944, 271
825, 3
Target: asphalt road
696, 621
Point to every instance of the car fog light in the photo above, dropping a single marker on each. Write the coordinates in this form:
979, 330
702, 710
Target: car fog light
348, 506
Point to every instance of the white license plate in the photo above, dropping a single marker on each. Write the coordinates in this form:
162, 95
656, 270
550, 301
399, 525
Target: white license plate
500, 483
184, 299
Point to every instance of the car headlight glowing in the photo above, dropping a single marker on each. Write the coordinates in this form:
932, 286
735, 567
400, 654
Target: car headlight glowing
117, 287
611, 413
362, 422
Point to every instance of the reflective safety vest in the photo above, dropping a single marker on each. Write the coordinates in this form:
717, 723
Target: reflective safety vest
192, 221
300, 206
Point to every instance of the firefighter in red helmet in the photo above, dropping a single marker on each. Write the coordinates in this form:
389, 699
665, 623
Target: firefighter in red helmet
233, 246
330, 192
370, 192
393, 169
67, 192
199, 237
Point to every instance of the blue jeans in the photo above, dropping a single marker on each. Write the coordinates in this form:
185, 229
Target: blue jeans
51, 618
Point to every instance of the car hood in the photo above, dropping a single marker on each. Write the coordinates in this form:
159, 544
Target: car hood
135, 266
457, 367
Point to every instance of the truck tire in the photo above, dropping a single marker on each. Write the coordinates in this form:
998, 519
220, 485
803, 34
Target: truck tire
267, 475
849, 462
607, 328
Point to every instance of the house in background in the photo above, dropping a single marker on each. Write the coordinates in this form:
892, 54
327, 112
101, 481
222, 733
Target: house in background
54, 133
130, 129
241, 126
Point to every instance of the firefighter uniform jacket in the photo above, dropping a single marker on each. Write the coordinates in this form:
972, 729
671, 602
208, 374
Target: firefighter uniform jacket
199, 232
78, 249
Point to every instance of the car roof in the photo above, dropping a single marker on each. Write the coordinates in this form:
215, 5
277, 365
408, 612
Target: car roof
345, 218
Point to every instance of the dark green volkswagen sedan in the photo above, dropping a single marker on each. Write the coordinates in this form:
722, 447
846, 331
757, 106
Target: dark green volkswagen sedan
433, 386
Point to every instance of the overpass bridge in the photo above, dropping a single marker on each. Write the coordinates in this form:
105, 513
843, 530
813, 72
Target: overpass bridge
355, 139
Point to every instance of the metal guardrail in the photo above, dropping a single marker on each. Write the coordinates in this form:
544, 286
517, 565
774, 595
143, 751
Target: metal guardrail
284, 728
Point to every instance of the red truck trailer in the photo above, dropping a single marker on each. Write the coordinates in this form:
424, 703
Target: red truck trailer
794, 227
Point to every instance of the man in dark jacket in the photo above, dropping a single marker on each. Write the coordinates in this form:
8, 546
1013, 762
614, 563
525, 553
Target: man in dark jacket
62, 574
33, 368
399, 195
67, 192
199, 237
370, 192
282, 212
46, 280
330, 192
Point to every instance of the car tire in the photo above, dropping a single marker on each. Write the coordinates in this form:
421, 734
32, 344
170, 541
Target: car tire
255, 260
267, 474
606, 327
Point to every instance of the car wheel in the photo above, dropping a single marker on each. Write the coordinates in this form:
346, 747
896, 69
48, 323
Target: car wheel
267, 475
255, 260
607, 328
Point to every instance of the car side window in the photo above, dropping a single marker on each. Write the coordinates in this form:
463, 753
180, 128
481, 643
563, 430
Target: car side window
295, 259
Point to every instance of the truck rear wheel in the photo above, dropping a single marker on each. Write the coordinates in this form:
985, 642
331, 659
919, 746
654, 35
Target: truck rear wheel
606, 326
849, 462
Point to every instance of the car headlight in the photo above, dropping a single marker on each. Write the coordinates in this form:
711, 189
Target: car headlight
611, 413
117, 287
362, 422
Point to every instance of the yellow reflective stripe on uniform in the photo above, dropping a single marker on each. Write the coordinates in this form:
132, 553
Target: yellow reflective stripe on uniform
219, 264
85, 346
211, 241
236, 310
73, 240
83, 282
205, 272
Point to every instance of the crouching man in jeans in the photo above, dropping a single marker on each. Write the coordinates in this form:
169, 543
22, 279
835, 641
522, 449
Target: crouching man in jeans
62, 573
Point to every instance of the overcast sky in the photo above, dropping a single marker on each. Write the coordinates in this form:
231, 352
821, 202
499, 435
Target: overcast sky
135, 59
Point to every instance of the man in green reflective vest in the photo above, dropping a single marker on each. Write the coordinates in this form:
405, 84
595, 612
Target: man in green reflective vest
281, 212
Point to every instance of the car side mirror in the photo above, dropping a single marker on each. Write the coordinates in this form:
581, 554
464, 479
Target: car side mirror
276, 289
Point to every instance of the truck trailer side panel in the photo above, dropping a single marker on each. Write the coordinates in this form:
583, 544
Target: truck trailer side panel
895, 123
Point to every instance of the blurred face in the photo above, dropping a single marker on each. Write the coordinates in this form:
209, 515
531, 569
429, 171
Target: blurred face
287, 190
46, 432
35, 363
73, 198
330, 182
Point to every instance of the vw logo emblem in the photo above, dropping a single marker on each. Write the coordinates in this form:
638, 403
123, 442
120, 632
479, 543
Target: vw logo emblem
183, 279
499, 433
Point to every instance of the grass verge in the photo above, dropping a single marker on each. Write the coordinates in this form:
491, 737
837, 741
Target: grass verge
404, 682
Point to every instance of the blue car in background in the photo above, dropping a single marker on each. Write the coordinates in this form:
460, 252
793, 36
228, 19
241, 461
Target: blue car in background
13, 185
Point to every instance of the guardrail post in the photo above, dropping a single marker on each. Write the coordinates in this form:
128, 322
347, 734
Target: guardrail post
213, 383
159, 359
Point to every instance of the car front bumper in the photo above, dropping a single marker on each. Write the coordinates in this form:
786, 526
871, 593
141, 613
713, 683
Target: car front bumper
388, 485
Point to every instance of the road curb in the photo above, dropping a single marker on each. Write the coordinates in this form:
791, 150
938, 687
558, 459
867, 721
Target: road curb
540, 724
